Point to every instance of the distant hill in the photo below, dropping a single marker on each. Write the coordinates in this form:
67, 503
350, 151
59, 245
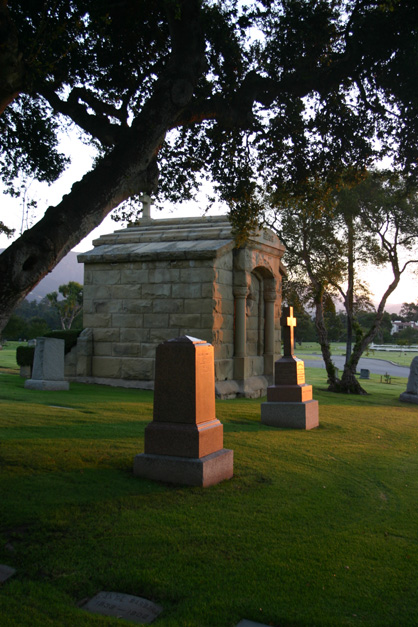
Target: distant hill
67, 270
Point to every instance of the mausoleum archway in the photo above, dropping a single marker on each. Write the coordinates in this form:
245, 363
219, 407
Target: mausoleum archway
257, 334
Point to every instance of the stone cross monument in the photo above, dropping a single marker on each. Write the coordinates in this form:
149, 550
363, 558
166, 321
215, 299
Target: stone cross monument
146, 208
288, 322
289, 400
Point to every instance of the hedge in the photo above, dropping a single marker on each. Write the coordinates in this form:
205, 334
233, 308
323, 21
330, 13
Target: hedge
70, 337
25, 354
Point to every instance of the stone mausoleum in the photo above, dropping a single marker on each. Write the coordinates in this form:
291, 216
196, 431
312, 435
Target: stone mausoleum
161, 279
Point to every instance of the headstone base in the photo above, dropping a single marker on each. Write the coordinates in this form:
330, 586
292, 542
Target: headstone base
290, 415
204, 471
183, 440
406, 397
41, 384
289, 393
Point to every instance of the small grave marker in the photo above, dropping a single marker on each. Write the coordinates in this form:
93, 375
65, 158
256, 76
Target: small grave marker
125, 606
6, 572
250, 623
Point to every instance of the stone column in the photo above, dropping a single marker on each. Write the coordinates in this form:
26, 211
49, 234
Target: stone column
270, 301
240, 294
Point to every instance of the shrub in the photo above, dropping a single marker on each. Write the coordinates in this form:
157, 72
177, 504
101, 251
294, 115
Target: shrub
69, 336
24, 355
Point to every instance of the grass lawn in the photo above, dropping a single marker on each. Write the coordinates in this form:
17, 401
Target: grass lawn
316, 528
8, 356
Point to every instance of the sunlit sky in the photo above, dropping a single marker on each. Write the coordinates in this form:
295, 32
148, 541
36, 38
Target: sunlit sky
11, 214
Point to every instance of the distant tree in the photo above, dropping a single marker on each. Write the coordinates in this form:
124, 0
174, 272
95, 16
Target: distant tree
15, 329
36, 327
39, 309
409, 312
366, 320
407, 336
71, 303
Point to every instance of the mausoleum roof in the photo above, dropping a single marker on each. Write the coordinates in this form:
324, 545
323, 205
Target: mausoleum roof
178, 238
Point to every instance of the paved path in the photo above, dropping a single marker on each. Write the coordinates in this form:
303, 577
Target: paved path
377, 366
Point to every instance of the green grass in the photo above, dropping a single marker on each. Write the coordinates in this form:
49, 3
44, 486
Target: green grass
8, 356
316, 527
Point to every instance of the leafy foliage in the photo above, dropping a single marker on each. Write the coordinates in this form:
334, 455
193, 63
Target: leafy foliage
292, 91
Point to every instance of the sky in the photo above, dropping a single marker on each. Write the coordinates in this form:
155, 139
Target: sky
82, 156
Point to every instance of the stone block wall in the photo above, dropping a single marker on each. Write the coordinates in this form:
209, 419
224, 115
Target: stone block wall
135, 306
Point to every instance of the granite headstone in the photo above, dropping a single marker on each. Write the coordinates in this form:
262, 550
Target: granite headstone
48, 365
184, 442
411, 394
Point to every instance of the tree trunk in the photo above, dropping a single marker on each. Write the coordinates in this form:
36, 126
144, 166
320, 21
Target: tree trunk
130, 168
349, 299
349, 384
324, 343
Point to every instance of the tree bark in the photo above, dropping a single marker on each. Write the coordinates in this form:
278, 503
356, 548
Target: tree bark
324, 344
349, 298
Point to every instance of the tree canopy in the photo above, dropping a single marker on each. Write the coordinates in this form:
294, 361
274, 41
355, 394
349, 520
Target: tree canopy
372, 223
277, 93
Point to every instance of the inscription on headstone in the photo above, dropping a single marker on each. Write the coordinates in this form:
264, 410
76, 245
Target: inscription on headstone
126, 606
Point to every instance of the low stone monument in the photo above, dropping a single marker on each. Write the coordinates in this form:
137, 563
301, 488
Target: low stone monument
289, 401
411, 394
126, 606
184, 443
6, 572
48, 366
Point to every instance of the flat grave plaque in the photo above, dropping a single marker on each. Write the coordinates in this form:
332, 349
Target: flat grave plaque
126, 606
250, 623
6, 572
